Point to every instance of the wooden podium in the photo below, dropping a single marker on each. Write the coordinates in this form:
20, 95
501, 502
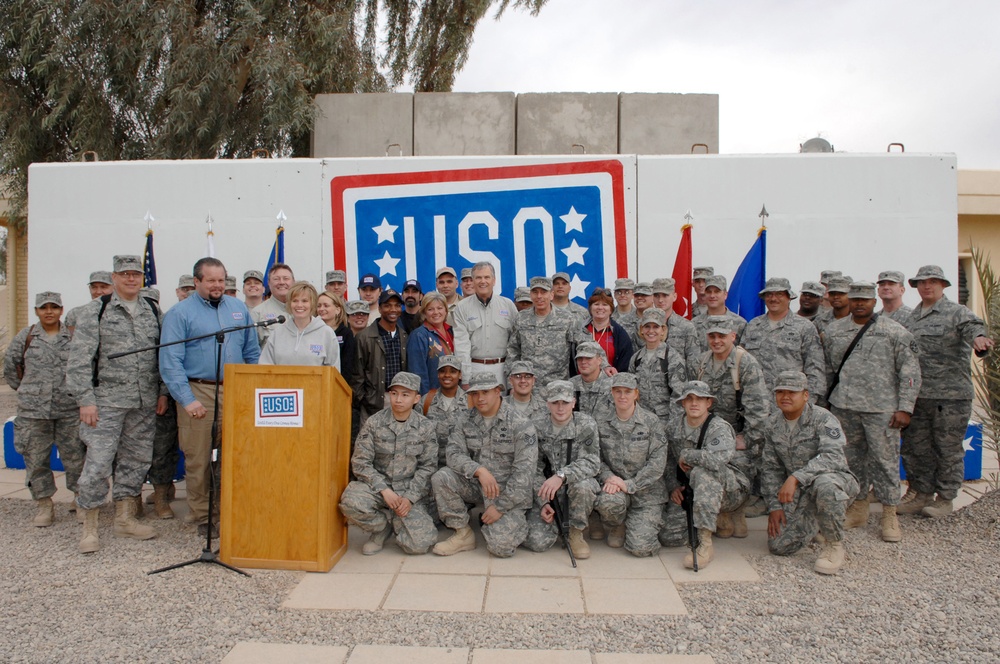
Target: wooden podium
286, 446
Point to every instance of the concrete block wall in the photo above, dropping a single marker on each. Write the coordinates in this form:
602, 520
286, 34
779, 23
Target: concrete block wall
502, 123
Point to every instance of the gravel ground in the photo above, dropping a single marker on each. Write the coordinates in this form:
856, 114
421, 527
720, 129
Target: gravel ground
933, 598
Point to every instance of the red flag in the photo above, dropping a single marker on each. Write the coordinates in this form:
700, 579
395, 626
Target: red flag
682, 274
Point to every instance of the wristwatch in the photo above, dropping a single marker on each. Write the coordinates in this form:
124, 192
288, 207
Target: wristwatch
561, 475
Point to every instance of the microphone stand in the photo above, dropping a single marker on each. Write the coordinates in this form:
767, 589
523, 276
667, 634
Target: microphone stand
207, 554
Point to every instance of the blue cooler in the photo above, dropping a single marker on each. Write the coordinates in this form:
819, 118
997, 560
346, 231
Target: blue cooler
973, 444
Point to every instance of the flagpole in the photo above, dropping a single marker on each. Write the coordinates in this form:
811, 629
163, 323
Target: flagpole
210, 236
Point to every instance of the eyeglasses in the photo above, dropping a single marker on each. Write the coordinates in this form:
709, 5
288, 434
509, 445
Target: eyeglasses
522, 376
601, 291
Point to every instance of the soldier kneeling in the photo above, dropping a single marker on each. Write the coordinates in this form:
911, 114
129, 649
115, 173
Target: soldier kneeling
394, 457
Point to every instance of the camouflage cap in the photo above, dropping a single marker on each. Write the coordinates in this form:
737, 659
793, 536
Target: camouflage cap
929, 272
792, 381
230, 282
664, 285
861, 290
522, 294
100, 277
813, 288
826, 275
643, 288
719, 325
540, 282
521, 367
654, 315
186, 281
128, 264
624, 284
357, 307
560, 390
151, 293
446, 270
589, 349
253, 274
561, 275
48, 297
336, 276
466, 273
778, 285
696, 387
838, 285
449, 361
716, 281
894, 276
410, 381
483, 380
625, 379
702, 272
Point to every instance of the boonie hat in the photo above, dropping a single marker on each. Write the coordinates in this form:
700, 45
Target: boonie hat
778, 285
336, 276
100, 277
406, 379
560, 390
696, 387
792, 381
929, 272
483, 380
48, 297
129, 264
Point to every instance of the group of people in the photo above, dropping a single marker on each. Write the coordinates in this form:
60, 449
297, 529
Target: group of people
463, 397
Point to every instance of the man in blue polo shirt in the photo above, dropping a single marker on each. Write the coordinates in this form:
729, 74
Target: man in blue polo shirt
188, 369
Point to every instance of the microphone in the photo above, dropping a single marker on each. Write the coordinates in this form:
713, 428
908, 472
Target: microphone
273, 321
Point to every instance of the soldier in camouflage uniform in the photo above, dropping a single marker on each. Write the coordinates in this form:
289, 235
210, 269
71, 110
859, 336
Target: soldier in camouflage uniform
811, 299
35, 366
561, 290
716, 291
569, 443
840, 307
446, 405
543, 335
591, 385
623, 298
658, 368
890, 291
699, 281
873, 400
724, 368
642, 299
118, 400
824, 278
394, 457
633, 458
522, 298
492, 455
523, 397
717, 484
782, 341
932, 450
99, 284
804, 474
681, 334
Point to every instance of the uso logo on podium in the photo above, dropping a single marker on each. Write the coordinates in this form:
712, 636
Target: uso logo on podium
526, 220
278, 408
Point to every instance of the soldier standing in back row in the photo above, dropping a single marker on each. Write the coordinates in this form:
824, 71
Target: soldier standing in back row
35, 366
99, 284
878, 385
932, 450
890, 290
544, 335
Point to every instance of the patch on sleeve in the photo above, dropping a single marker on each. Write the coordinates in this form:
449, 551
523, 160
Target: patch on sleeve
914, 346
833, 432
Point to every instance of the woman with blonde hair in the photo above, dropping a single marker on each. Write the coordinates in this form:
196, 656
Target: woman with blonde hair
430, 340
303, 339
331, 309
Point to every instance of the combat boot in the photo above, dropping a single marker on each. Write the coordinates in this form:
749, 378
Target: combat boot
831, 559
890, 525
596, 526
857, 514
913, 502
940, 507
724, 525
578, 545
740, 523
46, 513
706, 553
125, 523
161, 502
463, 540
376, 541
90, 542
616, 538
755, 507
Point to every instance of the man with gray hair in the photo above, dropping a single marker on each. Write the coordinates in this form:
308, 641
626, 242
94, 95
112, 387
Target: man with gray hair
483, 325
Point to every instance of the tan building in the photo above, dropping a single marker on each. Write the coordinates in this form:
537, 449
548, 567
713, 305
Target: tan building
978, 226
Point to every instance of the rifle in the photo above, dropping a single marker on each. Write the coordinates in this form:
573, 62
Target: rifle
560, 505
687, 500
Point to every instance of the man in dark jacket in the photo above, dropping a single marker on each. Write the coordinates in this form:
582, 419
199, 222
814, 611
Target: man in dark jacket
381, 354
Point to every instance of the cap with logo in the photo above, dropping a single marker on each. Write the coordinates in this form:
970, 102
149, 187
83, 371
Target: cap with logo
128, 264
336, 276
862, 290
719, 325
387, 295
449, 361
894, 276
413, 283
560, 390
696, 387
540, 282
253, 274
370, 281
483, 380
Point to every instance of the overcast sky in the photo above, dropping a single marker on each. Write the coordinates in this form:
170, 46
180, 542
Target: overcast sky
860, 74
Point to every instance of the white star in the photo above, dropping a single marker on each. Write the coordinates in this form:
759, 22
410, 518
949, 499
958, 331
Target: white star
578, 288
967, 444
574, 254
386, 232
574, 220
386, 265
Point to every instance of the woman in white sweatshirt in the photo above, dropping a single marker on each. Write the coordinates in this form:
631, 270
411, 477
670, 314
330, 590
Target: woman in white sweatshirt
303, 339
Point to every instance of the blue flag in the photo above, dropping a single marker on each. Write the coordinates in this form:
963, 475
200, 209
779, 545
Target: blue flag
744, 291
148, 262
277, 255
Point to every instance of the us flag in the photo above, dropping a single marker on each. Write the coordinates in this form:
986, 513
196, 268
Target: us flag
148, 262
